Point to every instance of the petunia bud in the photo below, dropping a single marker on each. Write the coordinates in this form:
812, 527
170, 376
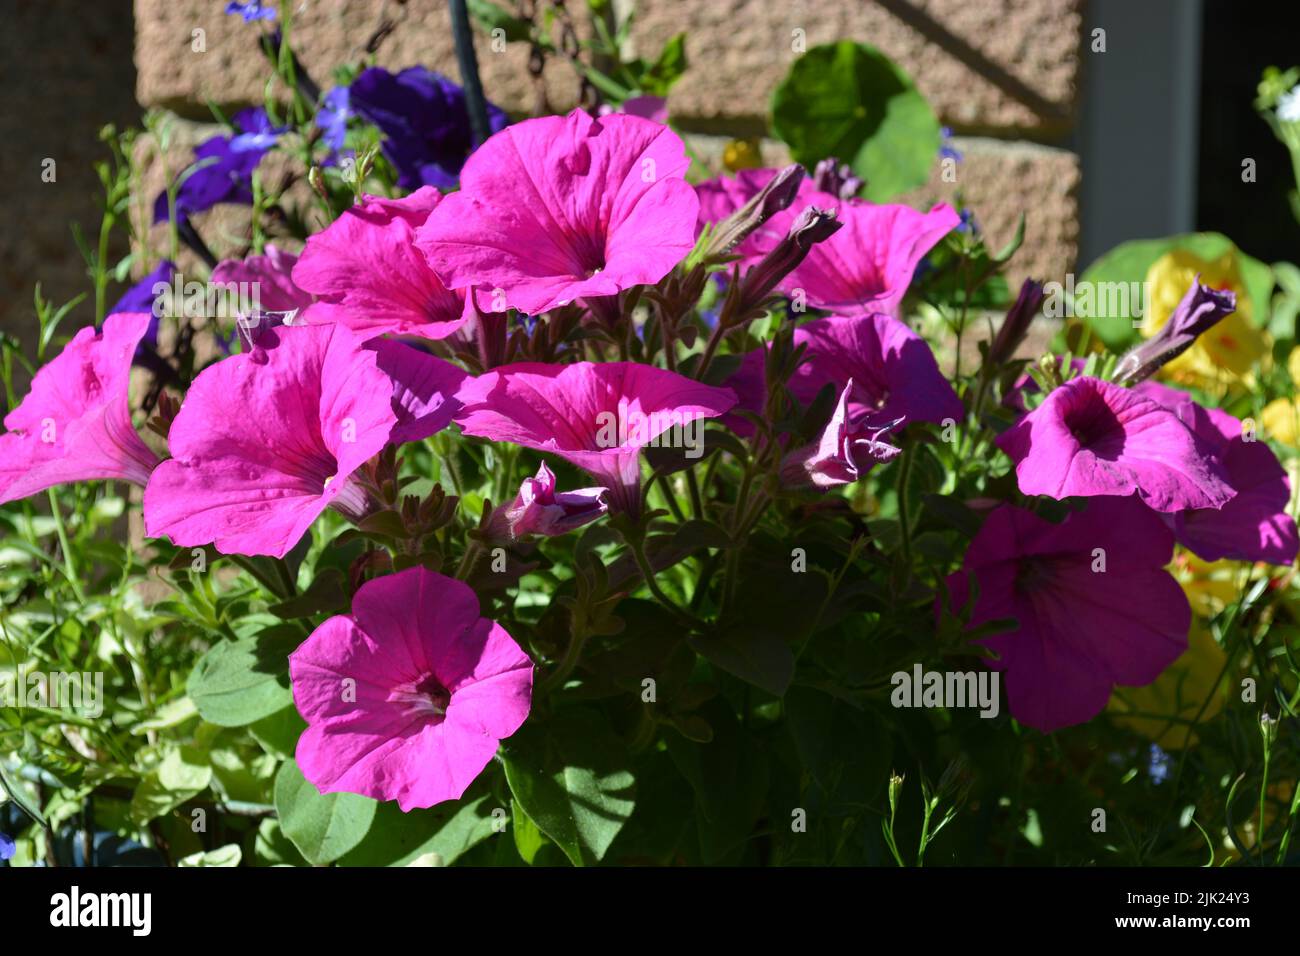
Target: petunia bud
809, 228
1016, 325
539, 509
1199, 311
779, 192
832, 176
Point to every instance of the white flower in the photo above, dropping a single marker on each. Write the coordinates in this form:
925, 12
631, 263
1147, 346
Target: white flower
1288, 106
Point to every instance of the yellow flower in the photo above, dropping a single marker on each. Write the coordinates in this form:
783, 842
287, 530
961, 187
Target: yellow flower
741, 154
1226, 353
1176, 697
1210, 586
1281, 421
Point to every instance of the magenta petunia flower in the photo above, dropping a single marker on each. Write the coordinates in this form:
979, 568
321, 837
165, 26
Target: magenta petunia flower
424, 389
844, 453
1254, 524
596, 416
539, 509
1090, 437
560, 208
370, 277
75, 423
865, 267
267, 440
893, 371
407, 698
271, 275
1093, 605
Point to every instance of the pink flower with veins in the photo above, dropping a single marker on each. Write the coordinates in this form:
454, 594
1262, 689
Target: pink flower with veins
540, 509
75, 423
424, 389
369, 276
267, 440
1091, 437
561, 208
434, 686
595, 416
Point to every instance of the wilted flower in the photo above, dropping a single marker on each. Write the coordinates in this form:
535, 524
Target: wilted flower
407, 697
540, 509
1015, 326
844, 453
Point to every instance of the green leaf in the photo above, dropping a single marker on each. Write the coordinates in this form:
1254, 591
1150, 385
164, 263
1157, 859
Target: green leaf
729, 777
448, 830
492, 16
328, 593
846, 750
759, 655
574, 780
238, 682
697, 533
20, 796
278, 734
667, 69
322, 826
529, 839
849, 101
228, 855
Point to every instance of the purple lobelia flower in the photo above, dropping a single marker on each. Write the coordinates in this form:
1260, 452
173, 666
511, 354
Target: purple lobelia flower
1091, 437
142, 298
1093, 604
333, 116
425, 123
222, 171
7, 847
251, 10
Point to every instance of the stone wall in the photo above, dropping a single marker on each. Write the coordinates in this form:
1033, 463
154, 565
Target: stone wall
1004, 74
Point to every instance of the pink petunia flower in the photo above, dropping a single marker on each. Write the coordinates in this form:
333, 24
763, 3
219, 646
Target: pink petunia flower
844, 453
1093, 605
407, 698
267, 440
865, 267
596, 416
370, 277
893, 371
562, 208
1254, 524
539, 509
75, 423
1091, 437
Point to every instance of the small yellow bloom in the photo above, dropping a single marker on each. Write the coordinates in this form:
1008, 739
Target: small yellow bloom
1176, 697
1281, 421
1210, 586
1226, 353
741, 154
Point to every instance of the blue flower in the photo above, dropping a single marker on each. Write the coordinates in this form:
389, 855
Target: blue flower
223, 167
946, 148
424, 120
7, 847
1158, 765
140, 297
251, 10
332, 117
